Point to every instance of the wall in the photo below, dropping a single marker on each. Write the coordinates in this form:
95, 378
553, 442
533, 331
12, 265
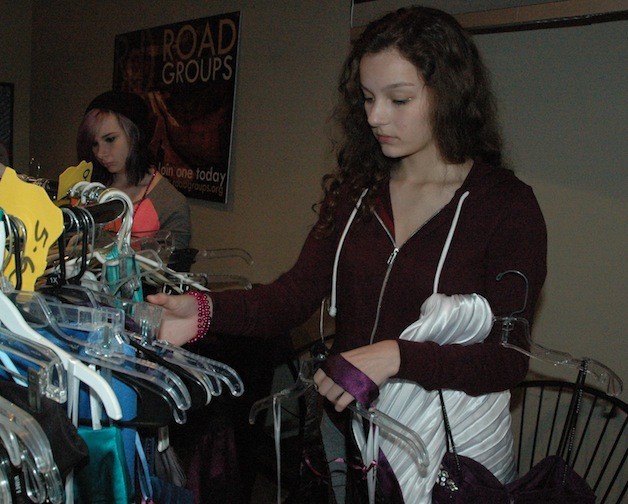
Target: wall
562, 94
15, 67
286, 84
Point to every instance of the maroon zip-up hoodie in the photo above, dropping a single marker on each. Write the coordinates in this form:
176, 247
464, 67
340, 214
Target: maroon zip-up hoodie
500, 228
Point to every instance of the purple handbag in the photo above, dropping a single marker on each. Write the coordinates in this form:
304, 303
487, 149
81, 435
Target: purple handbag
462, 480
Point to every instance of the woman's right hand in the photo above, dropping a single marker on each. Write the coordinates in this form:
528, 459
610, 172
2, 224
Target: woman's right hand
180, 318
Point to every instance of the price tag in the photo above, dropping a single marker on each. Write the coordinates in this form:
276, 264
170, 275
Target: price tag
73, 175
42, 220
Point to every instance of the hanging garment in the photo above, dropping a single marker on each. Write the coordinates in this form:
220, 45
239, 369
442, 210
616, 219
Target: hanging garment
105, 480
69, 450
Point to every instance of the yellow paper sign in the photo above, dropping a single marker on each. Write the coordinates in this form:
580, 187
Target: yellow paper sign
42, 220
73, 175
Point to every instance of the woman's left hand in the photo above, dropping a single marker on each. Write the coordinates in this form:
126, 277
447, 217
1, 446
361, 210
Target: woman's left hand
378, 361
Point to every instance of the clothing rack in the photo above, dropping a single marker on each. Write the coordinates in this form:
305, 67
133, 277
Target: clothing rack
85, 345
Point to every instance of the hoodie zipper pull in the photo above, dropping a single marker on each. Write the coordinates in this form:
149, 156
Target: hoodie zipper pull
392, 256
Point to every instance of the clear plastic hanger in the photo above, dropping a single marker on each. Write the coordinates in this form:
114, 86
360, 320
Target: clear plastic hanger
30, 437
180, 281
152, 268
104, 346
11, 444
121, 275
124, 269
34, 480
75, 369
162, 247
375, 417
147, 324
11, 318
147, 328
124, 234
319, 352
84, 222
221, 371
602, 373
215, 281
142, 325
106, 203
86, 192
5, 488
305, 381
153, 271
43, 367
89, 319
20, 457
38, 365
104, 349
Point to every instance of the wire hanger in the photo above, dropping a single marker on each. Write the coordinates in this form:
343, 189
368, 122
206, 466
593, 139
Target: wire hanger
606, 376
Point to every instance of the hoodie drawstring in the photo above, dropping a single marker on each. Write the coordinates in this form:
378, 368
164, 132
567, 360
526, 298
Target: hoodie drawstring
333, 310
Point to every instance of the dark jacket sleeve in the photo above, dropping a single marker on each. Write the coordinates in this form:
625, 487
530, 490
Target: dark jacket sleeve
518, 243
287, 302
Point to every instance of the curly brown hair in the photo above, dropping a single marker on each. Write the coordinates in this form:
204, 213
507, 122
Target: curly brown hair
464, 118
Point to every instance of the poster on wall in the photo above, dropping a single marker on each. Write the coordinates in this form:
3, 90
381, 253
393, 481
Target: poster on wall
6, 123
186, 71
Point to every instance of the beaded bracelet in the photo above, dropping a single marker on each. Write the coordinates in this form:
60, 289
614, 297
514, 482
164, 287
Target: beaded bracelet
204, 314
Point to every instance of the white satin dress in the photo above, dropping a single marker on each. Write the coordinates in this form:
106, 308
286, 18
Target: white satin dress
480, 425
